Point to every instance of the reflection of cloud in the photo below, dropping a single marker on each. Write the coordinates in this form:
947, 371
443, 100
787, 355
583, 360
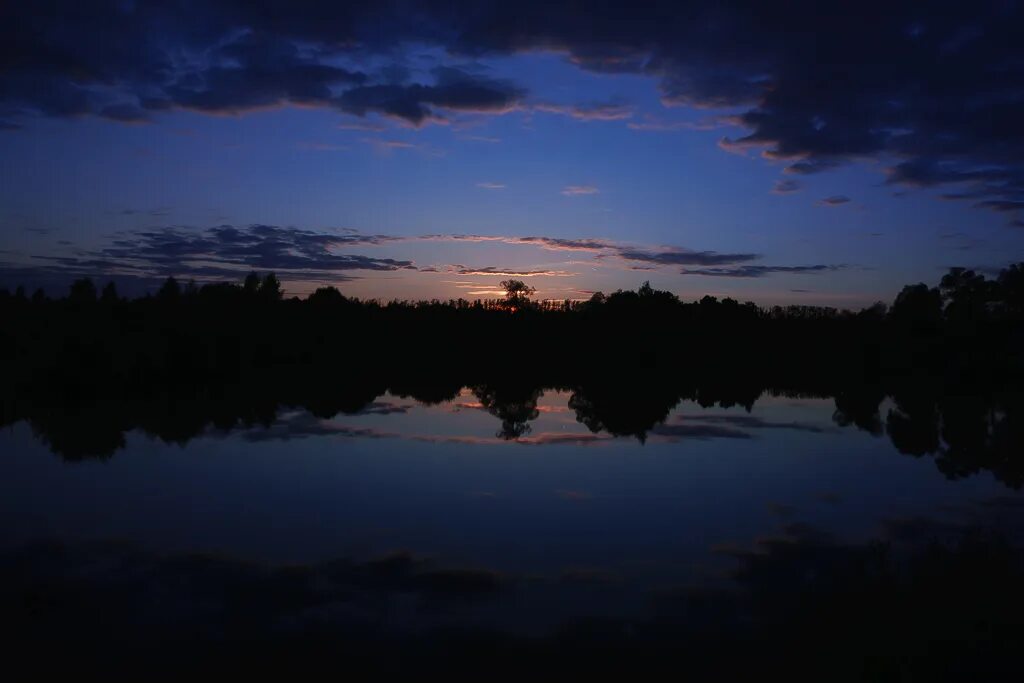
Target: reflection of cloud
780, 509
590, 575
754, 422
676, 432
571, 495
716, 426
835, 200
382, 408
207, 594
304, 425
542, 439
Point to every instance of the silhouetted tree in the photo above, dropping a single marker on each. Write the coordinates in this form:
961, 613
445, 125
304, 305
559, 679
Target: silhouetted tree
918, 307
1011, 290
326, 296
109, 295
517, 293
966, 294
83, 291
251, 286
170, 291
270, 288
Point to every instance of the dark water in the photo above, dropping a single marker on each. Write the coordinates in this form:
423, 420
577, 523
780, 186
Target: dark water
407, 520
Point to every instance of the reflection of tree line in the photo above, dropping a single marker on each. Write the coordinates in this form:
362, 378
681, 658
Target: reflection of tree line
87, 368
965, 431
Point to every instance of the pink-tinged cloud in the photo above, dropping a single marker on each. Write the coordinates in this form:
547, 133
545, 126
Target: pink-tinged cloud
366, 127
322, 147
491, 186
651, 123
549, 243
610, 111
788, 186
511, 272
579, 190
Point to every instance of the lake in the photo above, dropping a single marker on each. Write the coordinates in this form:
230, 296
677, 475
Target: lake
527, 513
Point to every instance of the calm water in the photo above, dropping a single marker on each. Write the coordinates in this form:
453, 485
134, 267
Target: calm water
582, 521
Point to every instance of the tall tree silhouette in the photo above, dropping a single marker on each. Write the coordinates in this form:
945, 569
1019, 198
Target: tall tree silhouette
517, 293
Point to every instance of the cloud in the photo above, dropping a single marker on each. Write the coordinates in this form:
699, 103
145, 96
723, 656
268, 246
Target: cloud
682, 257
228, 252
549, 243
415, 103
810, 167
786, 187
491, 186
608, 111
577, 190
512, 272
880, 82
697, 431
752, 422
364, 126
835, 200
322, 147
386, 146
1001, 205
651, 123
216, 253
761, 271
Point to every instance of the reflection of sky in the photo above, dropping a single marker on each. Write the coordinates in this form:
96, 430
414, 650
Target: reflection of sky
81, 181
436, 481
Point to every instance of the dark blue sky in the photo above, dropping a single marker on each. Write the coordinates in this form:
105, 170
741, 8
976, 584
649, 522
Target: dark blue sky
799, 152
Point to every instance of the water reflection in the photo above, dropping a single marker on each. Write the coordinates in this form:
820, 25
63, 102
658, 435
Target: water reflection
965, 432
611, 528
923, 600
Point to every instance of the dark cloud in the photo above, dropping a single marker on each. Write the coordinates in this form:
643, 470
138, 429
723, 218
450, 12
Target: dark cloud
835, 200
230, 248
680, 257
786, 187
754, 422
223, 252
760, 271
726, 427
818, 84
698, 431
454, 90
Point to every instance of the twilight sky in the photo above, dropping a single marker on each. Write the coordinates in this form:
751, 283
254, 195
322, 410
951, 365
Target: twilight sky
782, 152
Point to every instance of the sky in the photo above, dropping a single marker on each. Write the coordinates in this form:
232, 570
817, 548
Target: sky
822, 153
